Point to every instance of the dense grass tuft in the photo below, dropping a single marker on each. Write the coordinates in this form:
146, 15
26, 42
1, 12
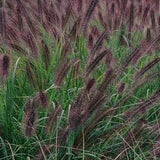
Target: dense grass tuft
79, 79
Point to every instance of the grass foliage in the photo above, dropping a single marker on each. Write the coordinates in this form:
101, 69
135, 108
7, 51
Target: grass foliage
79, 80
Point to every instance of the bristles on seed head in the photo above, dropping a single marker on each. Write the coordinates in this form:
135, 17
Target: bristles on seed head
43, 99
4, 66
30, 118
121, 87
90, 84
148, 35
53, 118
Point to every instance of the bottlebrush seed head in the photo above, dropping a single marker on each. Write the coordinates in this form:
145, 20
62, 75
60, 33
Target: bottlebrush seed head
4, 65
145, 13
30, 73
121, 88
153, 20
43, 99
131, 17
148, 35
30, 118
74, 118
113, 9
53, 118
89, 14
90, 41
90, 84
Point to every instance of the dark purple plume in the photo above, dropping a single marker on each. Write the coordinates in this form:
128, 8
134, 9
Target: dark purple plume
143, 106
44, 101
90, 84
90, 41
3, 26
52, 119
4, 66
88, 15
62, 73
107, 80
95, 61
121, 87
30, 73
19, 17
131, 17
40, 10
46, 55
153, 20
99, 43
145, 13
30, 118
148, 35
146, 68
